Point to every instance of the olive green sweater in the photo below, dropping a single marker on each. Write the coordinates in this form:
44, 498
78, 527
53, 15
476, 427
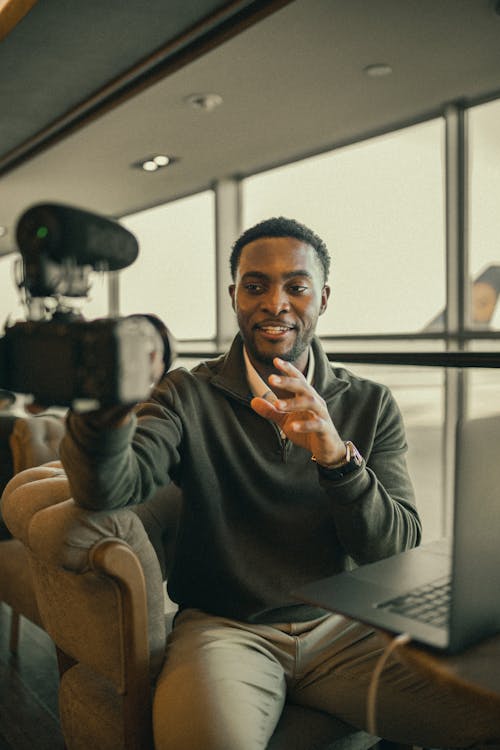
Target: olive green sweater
259, 518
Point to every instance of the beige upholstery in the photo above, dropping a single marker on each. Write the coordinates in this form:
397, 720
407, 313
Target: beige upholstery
99, 586
25, 442
35, 440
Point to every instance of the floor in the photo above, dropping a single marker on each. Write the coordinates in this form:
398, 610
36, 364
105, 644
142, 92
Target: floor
28, 689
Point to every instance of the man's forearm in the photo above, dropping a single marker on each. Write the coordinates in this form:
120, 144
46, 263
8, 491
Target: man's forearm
96, 455
374, 518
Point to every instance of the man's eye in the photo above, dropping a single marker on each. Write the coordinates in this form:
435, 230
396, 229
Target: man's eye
298, 289
253, 288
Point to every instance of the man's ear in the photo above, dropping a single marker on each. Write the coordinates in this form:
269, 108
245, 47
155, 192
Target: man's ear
232, 292
325, 295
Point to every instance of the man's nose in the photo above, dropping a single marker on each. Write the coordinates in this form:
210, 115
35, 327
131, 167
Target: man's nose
276, 301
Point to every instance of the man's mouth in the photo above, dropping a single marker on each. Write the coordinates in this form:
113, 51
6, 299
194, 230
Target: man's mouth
274, 331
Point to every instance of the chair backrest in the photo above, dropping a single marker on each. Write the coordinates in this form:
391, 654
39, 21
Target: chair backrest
35, 440
25, 442
7, 422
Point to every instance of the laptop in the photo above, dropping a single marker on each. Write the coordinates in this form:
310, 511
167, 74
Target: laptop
445, 594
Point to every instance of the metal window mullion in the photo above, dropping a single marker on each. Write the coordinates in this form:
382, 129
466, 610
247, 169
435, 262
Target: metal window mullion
457, 275
227, 229
457, 294
113, 294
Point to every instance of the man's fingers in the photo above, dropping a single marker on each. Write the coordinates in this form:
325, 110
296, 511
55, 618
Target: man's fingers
288, 369
264, 408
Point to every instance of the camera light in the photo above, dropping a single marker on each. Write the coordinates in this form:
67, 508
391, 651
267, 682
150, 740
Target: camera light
42, 232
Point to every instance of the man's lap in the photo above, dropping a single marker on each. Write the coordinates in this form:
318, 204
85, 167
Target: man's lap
224, 684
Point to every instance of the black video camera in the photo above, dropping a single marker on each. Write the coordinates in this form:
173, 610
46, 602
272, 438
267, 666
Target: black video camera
57, 356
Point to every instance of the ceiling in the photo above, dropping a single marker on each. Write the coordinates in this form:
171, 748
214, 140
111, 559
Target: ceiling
90, 88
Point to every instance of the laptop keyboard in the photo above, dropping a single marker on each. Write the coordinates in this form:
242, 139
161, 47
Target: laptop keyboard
429, 603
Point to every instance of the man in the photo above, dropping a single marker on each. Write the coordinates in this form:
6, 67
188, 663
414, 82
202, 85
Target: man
290, 470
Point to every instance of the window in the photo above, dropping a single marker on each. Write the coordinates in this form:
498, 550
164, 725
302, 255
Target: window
174, 275
96, 305
10, 304
484, 219
419, 393
379, 206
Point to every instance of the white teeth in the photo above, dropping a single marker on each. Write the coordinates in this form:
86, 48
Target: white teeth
274, 329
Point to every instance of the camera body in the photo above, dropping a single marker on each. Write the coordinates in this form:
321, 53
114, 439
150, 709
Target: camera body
62, 359
78, 363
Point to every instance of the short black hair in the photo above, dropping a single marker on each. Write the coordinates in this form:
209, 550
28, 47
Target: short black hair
281, 227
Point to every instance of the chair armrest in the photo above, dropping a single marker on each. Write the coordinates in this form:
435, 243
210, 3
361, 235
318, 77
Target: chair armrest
114, 559
28, 492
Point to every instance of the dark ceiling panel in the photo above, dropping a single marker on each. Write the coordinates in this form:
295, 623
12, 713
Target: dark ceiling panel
291, 75
65, 50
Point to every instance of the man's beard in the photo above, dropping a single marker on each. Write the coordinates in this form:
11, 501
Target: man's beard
265, 358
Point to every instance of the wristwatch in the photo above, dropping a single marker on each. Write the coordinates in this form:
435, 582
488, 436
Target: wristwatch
352, 460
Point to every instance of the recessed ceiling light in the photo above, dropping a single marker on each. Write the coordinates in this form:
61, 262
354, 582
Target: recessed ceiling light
378, 70
206, 102
161, 160
154, 162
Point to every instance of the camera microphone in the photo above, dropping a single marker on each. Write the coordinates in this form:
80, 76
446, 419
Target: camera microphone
64, 233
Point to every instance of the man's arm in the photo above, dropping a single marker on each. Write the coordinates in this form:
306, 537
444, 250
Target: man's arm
110, 461
113, 459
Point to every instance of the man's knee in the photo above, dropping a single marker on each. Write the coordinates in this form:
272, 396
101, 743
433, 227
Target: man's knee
189, 713
217, 694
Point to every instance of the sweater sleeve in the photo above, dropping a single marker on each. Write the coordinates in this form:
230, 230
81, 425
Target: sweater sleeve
110, 467
374, 506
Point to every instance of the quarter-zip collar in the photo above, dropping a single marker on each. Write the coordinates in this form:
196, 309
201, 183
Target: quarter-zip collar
260, 388
229, 372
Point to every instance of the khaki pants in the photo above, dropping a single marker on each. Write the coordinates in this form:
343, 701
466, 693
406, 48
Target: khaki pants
224, 684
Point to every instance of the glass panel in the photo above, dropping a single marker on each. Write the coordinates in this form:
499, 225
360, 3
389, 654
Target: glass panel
383, 345
10, 305
485, 345
483, 391
96, 305
174, 275
379, 206
484, 219
419, 392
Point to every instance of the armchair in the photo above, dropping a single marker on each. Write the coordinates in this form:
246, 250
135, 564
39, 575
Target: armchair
98, 578
24, 442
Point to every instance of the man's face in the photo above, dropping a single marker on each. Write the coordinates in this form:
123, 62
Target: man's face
277, 296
